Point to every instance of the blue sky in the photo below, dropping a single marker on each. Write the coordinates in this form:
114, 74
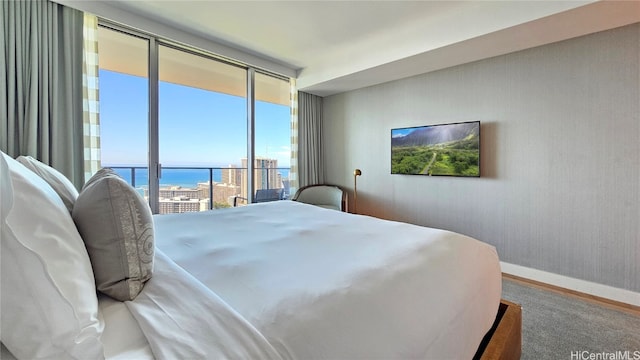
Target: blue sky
197, 127
401, 132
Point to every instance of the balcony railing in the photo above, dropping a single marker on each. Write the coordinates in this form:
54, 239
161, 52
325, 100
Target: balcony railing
199, 178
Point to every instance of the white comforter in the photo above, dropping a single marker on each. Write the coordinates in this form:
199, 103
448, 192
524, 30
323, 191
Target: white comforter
182, 319
293, 281
319, 283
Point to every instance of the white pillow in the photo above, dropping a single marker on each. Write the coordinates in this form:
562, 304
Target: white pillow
48, 298
60, 184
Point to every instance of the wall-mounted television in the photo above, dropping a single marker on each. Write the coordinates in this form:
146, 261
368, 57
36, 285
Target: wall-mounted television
437, 150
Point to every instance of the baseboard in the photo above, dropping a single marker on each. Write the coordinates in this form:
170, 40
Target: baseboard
582, 286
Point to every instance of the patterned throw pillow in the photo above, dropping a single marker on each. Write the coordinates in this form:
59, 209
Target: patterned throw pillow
116, 225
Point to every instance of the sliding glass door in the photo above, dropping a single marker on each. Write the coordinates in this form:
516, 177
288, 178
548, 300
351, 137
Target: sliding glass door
202, 131
124, 105
272, 136
190, 131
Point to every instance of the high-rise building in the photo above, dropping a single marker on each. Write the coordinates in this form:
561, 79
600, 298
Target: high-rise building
223, 194
180, 205
266, 175
203, 189
176, 199
171, 192
232, 175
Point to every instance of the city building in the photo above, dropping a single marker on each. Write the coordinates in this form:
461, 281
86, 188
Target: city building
182, 204
232, 175
266, 175
223, 193
178, 191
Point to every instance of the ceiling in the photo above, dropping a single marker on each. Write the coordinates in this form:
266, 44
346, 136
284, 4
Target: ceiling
337, 46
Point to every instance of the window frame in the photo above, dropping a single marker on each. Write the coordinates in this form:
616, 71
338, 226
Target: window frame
153, 161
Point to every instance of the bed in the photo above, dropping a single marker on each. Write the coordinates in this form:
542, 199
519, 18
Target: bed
279, 280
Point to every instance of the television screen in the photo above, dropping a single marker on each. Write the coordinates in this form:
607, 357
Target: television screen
445, 150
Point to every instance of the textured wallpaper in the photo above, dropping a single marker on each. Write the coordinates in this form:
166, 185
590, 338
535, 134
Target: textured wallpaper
560, 154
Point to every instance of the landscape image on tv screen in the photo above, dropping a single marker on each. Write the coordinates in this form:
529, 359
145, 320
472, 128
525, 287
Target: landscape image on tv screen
444, 150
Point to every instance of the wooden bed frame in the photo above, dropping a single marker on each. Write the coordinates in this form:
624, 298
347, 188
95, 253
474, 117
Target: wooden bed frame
504, 339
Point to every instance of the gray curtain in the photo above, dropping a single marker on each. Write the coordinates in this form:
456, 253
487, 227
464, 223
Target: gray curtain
41, 84
310, 144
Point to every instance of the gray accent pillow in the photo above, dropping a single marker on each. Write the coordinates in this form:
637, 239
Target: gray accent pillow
116, 225
99, 175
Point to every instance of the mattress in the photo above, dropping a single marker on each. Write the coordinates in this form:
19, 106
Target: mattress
319, 283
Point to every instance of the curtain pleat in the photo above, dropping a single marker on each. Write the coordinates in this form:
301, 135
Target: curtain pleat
42, 91
5, 77
310, 144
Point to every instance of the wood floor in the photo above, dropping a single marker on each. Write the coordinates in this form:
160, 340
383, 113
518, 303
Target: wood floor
608, 303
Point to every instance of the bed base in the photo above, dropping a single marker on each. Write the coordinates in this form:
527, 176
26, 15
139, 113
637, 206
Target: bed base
504, 339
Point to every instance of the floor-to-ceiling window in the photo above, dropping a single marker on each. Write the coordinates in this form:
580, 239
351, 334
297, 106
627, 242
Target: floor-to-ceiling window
202, 126
124, 105
272, 134
211, 117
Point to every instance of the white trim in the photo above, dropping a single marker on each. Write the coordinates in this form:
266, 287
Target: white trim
587, 287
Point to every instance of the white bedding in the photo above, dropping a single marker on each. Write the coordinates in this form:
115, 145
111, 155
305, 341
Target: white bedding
318, 283
182, 319
122, 337
294, 281
175, 317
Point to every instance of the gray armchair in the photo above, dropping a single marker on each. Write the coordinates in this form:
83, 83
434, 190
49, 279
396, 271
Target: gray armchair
326, 196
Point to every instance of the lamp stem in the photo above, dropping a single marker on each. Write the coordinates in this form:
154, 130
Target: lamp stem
356, 173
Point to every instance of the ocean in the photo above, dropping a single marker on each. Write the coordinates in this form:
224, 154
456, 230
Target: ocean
188, 178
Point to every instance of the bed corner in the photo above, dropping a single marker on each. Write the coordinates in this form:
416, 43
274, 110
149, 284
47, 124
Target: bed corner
504, 340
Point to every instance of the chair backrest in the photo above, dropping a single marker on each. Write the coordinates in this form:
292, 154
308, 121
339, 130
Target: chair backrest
265, 195
327, 196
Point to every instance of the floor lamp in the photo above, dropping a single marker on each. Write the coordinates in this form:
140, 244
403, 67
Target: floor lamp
356, 173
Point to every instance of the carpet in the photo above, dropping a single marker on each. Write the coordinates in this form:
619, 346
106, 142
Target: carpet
556, 326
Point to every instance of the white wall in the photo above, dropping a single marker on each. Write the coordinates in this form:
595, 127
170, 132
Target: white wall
560, 181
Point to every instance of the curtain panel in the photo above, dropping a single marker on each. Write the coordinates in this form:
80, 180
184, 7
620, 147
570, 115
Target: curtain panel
41, 84
310, 144
293, 171
90, 97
